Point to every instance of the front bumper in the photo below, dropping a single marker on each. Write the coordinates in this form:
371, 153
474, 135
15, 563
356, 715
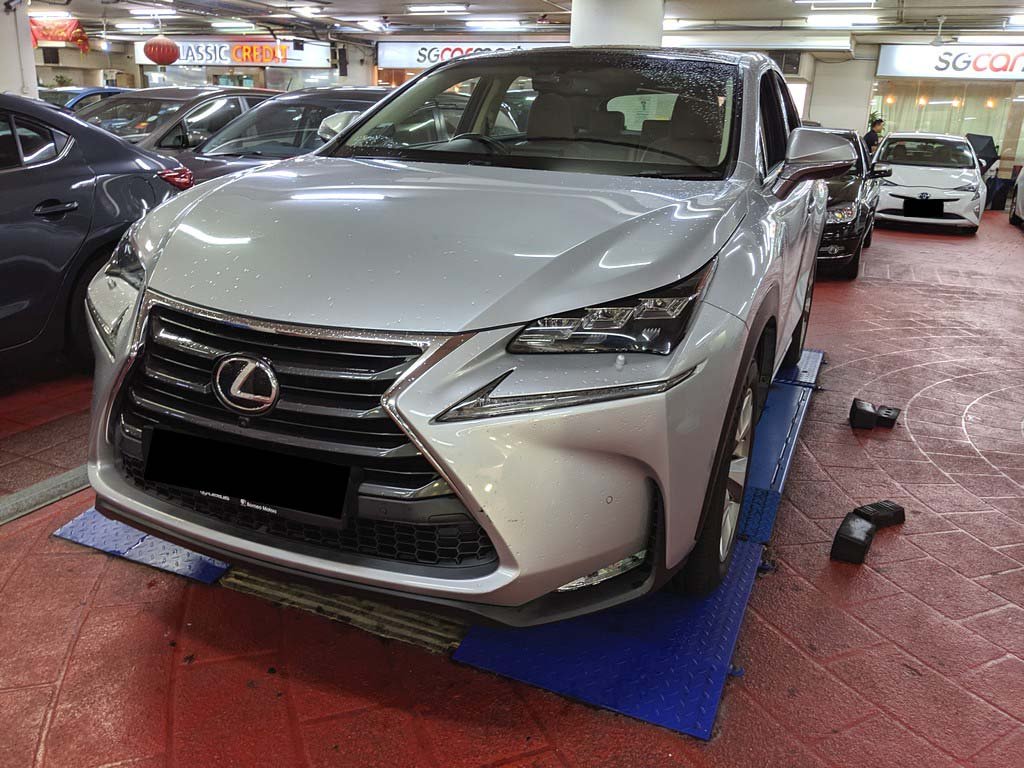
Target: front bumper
560, 493
958, 209
840, 242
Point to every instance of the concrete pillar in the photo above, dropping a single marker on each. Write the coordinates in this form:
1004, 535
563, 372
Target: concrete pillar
617, 22
17, 62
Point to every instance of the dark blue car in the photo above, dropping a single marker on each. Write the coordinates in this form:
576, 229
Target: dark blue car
68, 191
77, 97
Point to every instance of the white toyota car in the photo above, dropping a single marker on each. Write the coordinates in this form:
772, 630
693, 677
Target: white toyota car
936, 179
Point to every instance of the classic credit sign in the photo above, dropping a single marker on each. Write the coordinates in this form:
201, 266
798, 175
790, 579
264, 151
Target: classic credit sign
959, 62
252, 52
422, 55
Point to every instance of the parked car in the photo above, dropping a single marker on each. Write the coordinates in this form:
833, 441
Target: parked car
1016, 202
77, 97
172, 120
936, 179
68, 192
281, 127
513, 372
850, 219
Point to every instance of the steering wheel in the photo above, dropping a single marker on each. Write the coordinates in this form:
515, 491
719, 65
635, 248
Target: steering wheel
487, 141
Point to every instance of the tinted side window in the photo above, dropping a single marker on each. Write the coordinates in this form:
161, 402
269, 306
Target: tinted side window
37, 143
86, 101
773, 125
213, 116
8, 147
792, 114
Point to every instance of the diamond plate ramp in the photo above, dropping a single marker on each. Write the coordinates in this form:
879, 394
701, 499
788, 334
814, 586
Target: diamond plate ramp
663, 659
92, 529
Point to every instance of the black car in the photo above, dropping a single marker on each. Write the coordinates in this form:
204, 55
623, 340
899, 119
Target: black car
850, 221
281, 127
68, 191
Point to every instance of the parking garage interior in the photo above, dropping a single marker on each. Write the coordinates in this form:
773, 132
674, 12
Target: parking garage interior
490, 385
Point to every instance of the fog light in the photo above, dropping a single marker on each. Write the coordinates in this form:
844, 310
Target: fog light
608, 572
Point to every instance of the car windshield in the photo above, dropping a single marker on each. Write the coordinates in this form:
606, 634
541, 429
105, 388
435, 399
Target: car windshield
59, 98
276, 129
612, 113
934, 153
131, 118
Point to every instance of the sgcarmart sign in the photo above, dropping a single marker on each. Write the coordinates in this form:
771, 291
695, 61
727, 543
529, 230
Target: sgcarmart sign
423, 55
960, 62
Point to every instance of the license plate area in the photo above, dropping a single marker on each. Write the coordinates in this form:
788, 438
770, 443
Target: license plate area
923, 209
302, 489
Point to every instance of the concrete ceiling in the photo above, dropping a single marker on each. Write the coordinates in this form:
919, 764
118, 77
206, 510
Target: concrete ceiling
318, 18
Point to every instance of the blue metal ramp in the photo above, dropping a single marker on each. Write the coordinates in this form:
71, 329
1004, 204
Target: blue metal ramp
663, 659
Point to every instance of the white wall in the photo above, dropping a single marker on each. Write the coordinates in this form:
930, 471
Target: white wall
360, 66
841, 93
17, 67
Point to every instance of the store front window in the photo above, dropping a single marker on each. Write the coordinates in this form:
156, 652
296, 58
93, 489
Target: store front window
956, 107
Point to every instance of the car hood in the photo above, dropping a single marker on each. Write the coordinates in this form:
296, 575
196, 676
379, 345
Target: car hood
206, 167
938, 178
442, 248
844, 189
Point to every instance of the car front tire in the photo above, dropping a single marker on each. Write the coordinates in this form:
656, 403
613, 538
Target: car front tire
711, 556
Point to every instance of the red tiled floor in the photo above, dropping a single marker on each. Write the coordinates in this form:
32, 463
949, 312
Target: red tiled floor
912, 659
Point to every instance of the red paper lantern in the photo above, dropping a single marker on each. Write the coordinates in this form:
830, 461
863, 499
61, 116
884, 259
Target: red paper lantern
161, 50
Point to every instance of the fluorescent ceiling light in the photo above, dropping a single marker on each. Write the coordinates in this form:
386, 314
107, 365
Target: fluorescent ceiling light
443, 9
49, 14
840, 20
861, 3
494, 24
372, 25
305, 10
670, 24
135, 26
153, 12
227, 24
1017, 20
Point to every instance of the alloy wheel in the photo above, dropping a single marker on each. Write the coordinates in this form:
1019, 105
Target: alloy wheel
737, 480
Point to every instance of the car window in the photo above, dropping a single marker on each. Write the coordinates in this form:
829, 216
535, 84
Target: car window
789, 108
8, 144
773, 125
86, 101
130, 117
627, 114
934, 153
277, 129
37, 143
59, 98
213, 116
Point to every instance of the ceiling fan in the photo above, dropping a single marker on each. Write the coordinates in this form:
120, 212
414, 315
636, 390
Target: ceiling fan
939, 40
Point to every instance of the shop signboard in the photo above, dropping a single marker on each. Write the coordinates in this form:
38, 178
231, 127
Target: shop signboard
245, 52
955, 62
411, 55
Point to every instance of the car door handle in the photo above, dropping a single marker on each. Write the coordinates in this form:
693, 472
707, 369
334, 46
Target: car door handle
54, 207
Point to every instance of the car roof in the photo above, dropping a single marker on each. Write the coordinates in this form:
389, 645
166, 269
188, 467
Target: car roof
923, 135
335, 93
725, 57
188, 92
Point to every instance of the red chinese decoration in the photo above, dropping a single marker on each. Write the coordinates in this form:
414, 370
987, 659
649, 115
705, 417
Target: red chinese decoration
58, 31
161, 50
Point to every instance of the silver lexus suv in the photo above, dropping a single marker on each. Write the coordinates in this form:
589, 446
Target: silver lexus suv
507, 358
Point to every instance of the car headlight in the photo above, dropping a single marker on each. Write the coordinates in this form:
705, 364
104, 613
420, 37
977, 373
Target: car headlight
653, 322
115, 290
969, 188
842, 213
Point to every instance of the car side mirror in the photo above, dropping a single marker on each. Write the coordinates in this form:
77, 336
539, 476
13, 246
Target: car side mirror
334, 124
813, 154
880, 171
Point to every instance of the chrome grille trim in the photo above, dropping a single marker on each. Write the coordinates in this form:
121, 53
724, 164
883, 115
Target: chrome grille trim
168, 380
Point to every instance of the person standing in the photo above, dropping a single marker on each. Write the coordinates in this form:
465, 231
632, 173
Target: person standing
872, 137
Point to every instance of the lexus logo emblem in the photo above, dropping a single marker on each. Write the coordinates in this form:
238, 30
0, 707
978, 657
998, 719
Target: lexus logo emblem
245, 384
924, 196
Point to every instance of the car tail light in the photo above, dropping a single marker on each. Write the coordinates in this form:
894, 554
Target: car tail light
180, 177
